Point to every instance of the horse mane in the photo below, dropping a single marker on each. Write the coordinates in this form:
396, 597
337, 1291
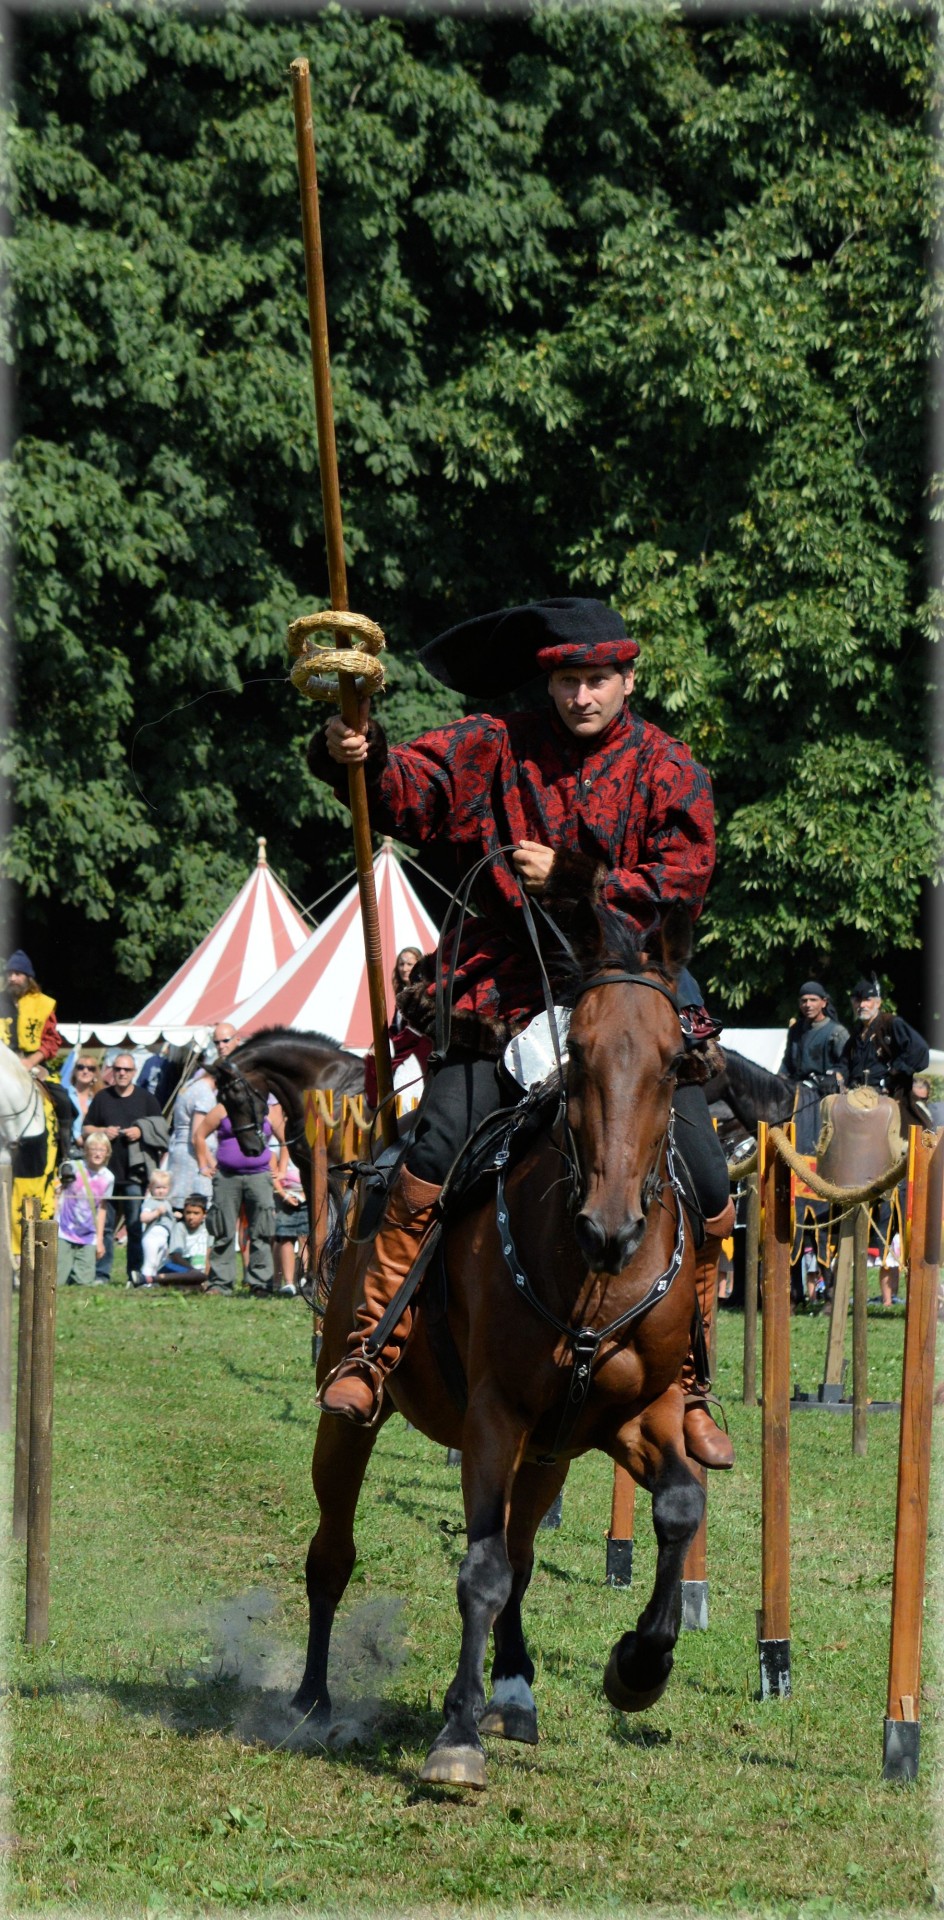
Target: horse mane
293, 1036
752, 1083
603, 939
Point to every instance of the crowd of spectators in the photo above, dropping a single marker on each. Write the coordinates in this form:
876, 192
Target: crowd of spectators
176, 1189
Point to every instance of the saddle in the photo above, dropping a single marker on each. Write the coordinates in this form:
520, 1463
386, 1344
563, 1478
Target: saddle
860, 1136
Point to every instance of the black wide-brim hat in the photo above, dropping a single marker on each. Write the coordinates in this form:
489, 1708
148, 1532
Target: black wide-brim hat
496, 652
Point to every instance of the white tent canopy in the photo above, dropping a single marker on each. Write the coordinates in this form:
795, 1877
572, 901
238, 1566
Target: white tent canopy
323, 987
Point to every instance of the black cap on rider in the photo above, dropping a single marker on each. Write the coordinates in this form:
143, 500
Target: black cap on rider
496, 652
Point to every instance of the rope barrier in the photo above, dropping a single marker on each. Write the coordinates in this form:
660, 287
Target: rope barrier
827, 1189
739, 1169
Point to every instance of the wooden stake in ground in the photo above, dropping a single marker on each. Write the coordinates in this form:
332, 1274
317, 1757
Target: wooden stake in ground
773, 1619
751, 1264
39, 1514
24, 1366
6, 1289
903, 1718
860, 1332
337, 576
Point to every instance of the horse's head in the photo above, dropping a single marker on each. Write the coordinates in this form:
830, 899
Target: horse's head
246, 1106
625, 1049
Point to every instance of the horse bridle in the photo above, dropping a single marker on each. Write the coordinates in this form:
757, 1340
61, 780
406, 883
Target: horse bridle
585, 1342
257, 1101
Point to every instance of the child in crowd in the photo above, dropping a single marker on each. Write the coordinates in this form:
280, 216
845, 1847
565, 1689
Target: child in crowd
83, 1193
157, 1220
188, 1255
291, 1223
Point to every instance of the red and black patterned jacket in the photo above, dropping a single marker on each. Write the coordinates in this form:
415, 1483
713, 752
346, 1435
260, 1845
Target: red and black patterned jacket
629, 814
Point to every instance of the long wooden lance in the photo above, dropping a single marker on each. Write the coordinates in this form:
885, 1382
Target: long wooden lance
346, 671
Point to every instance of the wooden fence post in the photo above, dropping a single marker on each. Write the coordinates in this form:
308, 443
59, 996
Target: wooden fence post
24, 1366
903, 1717
773, 1619
619, 1540
39, 1515
6, 1288
751, 1270
860, 1331
831, 1388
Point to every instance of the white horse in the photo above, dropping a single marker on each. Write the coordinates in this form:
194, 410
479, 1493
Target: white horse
22, 1107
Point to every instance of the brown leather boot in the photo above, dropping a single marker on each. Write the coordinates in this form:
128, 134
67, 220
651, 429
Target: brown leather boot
354, 1388
704, 1440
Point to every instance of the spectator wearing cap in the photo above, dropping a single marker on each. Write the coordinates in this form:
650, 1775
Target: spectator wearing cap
27, 1015
882, 1050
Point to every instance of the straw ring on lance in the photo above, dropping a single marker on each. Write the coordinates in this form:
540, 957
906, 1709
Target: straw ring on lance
317, 666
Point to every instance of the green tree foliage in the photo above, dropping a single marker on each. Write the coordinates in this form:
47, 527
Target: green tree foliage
628, 302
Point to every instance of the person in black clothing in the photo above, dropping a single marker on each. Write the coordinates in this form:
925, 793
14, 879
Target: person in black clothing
811, 1058
882, 1050
816, 1040
116, 1111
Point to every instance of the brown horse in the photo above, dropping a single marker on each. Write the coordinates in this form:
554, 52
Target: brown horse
587, 1237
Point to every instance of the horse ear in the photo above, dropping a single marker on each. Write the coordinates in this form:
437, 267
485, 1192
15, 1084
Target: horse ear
585, 932
674, 939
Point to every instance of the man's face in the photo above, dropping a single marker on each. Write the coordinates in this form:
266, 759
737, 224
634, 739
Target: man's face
811, 1006
124, 1073
224, 1040
867, 1007
588, 698
16, 984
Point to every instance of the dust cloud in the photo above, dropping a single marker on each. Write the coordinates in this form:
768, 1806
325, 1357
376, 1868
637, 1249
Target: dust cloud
260, 1672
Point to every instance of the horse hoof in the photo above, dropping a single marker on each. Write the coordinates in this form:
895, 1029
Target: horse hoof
510, 1722
629, 1699
455, 1767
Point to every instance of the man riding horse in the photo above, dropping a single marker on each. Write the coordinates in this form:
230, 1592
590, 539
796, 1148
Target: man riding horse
579, 801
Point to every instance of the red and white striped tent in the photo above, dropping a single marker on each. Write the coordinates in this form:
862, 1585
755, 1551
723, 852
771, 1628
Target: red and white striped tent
259, 931
323, 987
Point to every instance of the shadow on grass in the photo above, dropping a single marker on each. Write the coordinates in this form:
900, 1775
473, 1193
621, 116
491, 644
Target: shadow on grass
366, 1733
626, 1733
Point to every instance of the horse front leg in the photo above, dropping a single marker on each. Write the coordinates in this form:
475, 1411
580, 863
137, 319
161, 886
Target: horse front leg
341, 1457
492, 1447
511, 1710
638, 1669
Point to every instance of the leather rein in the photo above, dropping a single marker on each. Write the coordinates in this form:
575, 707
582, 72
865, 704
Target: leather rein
585, 1342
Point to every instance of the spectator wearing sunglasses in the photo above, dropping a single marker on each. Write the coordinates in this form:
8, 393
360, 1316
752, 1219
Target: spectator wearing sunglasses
85, 1081
118, 1111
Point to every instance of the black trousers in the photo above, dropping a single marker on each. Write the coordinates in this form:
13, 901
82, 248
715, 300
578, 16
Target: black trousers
460, 1093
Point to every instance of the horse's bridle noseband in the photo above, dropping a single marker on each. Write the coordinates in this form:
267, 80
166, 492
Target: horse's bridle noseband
257, 1100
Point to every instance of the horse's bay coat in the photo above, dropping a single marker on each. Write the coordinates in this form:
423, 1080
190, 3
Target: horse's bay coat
629, 814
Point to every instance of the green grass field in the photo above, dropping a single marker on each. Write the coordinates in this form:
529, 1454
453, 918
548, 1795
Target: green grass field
151, 1751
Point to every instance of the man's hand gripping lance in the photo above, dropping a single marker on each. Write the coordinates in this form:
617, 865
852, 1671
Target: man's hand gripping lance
341, 672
